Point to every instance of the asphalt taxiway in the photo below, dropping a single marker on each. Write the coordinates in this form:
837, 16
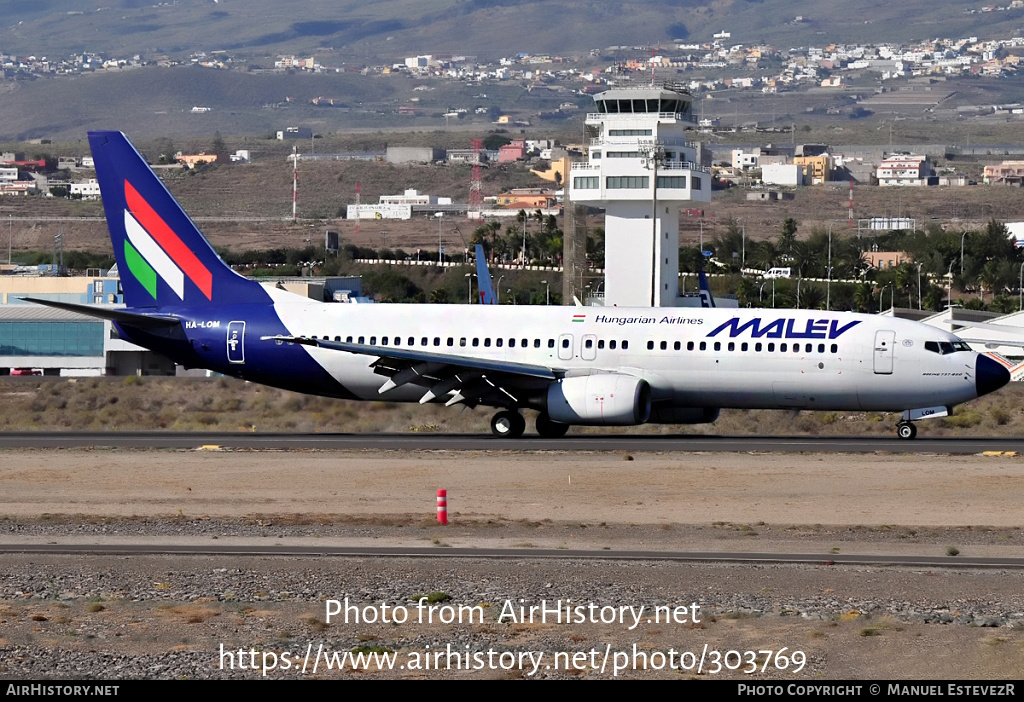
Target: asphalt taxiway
482, 442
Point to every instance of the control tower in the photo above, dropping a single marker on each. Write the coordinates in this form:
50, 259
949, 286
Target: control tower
641, 170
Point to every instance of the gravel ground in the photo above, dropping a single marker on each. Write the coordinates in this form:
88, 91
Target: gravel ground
106, 617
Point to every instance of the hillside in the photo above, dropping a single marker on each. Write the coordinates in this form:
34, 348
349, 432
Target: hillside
348, 31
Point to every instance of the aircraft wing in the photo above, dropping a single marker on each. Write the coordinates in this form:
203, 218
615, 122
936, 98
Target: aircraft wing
472, 381
993, 343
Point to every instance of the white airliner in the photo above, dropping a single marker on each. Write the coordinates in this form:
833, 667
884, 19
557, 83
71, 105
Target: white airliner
573, 365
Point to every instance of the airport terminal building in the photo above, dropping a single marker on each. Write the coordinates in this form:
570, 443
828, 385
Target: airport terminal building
36, 339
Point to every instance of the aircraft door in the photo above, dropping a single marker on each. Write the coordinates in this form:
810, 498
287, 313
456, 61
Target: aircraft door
589, 348
565, 347
236, 342
885, 341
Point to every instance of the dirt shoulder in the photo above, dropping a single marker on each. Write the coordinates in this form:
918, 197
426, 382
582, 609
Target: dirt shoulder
112, 617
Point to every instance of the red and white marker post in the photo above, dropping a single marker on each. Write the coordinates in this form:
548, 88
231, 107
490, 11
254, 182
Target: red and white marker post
442, 507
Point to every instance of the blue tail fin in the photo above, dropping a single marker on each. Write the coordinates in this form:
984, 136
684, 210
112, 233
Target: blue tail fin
706, 298
162, 258
483, 277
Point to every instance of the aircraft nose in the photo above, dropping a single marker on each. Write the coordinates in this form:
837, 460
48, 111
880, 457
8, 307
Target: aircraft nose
989, 375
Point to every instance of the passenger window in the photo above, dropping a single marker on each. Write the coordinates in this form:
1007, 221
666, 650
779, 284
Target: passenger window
498, 342
565, 343
412, 341
743, 346
821, 348
625, 344
384, 341
536, 343
348, 339
782, 348
590, 343
611, 344
664, 345
437, 341
650, 345
600, 343
362, 339
835, 348
771, 348
718, 346
373, 341
487, 342
451, 341
476, 341
551, 343
524, 343
689, 346
757, 348
511, 343
423, 341
808, 348
703, 346
462, 341
677, 346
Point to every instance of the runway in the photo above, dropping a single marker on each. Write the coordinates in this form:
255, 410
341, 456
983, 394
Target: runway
748, 558
483, 442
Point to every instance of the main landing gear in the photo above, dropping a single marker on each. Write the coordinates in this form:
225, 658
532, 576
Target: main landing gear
508, 424
906, 430
548, 429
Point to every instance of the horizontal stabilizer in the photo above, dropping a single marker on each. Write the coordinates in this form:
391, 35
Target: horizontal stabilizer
139, 319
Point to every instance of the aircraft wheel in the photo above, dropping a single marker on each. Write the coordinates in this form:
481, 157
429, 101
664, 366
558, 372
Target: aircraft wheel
548, 429
906, 430
508, 425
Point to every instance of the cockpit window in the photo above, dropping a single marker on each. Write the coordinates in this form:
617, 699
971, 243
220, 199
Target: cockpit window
946, 347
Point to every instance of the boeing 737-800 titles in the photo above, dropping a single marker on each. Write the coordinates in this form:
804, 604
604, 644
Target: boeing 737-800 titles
573, 365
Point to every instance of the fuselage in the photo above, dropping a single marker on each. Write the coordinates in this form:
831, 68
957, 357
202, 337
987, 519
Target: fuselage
690, 357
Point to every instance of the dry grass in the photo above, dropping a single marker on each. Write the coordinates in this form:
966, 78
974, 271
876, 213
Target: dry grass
223, 404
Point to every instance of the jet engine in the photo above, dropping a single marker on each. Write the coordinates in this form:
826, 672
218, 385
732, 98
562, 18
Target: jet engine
600, 399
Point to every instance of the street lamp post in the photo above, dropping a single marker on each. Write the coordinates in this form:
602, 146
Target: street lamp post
497, 288
547, 292
964, 236
469, 281
828, 283
653, 155
440, 217
1020, 284
918, 286
949, 283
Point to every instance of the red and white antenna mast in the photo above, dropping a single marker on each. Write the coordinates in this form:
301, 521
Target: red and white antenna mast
476, 197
